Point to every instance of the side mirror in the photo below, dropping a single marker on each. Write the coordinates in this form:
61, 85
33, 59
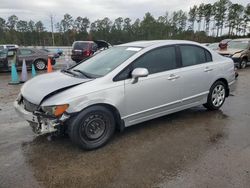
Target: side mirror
137, 73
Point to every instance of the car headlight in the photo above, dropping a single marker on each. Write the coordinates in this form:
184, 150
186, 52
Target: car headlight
55, 110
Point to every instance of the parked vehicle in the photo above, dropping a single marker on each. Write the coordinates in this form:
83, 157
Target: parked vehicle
123, 86
31, 55
55, 52
82, 50
7, 46
50, 52
239, 51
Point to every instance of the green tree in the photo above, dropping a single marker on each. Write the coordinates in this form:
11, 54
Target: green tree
2, 30
200, 13
2, 24
220, 8
147, 26
22, 26
234, 16
246, 19
178, 21
208, 12
116, 30
136, 30
31, 26
12, 21
67, 22
192, 17
81, 24
39, 29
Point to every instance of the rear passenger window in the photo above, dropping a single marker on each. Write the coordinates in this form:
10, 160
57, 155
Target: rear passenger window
26, 52
158, 60
194, 55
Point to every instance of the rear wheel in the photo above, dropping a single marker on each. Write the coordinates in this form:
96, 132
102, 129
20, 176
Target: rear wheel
40, 64
216, 96
92, 128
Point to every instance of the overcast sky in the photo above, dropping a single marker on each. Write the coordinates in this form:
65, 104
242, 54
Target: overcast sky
94, 9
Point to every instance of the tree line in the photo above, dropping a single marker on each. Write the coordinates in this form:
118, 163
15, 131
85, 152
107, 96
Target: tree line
202, 23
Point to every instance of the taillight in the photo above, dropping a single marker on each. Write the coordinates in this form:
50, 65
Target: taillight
87, 53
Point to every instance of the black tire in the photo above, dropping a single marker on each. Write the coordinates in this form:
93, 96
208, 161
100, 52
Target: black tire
243, 63
40, 64
216, 99
92, 128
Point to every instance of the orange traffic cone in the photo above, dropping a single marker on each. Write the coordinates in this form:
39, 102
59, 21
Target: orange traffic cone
49, 66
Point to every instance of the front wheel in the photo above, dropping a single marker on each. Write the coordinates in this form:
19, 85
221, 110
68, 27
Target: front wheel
92, 128
216, 96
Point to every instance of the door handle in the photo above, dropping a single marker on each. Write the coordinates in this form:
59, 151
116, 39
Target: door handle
207, 69
173, 77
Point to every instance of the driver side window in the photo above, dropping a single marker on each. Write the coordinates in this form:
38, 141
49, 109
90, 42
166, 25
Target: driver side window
158, 60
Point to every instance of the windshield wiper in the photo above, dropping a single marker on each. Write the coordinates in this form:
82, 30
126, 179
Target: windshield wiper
68, 71
83, 73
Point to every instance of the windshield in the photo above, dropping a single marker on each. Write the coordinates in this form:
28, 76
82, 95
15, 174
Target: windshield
3, 53
106, 61
238, 44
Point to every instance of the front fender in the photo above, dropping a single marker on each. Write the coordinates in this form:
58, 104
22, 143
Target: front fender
113, 96
84, 104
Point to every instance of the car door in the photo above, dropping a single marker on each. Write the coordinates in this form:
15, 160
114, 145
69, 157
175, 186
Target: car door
156, 94
26, 54
196, 73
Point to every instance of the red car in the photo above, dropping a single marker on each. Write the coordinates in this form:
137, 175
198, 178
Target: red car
81, 50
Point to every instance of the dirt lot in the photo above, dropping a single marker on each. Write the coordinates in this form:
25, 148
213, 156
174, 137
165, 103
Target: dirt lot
192, 148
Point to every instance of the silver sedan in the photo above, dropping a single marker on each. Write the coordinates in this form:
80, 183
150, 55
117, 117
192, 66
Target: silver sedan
125, 85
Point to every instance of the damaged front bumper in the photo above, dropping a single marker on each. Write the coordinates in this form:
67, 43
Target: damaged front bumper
40, 122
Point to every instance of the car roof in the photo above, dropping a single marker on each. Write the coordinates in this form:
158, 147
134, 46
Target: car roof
33, 49
8, 45
148, 43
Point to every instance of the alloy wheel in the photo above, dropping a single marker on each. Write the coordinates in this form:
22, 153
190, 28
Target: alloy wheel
40, 65
218, 95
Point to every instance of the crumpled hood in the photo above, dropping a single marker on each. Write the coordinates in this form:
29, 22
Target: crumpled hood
230, 51
40, 86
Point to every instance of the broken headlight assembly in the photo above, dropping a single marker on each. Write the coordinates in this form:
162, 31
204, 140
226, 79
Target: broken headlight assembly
56, 110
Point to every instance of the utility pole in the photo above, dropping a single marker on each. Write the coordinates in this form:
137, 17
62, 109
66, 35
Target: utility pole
52, 29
